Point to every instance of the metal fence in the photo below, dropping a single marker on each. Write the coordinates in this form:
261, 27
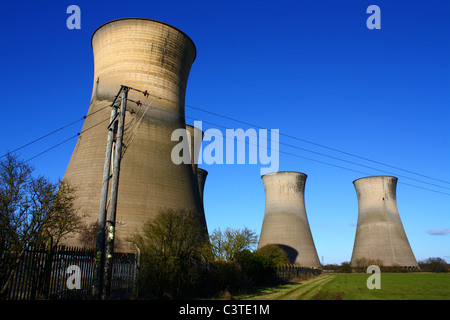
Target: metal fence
64, 273
291, 272
67, 273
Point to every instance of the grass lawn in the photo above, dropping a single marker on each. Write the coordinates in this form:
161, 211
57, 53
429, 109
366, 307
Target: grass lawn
394, 286
342, 286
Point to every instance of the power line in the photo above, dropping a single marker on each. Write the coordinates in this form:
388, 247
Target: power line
135, 127
338, 166
58, 144
319, 145
304, 149
44, 136
72, 137
53, 132
53, 147
310, 159
413, 185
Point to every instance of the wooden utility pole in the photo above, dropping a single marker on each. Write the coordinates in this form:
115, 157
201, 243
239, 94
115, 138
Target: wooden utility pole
97, 290
111, 222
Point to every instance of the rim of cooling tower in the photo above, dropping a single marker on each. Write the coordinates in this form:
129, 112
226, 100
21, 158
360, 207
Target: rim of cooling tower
147, 19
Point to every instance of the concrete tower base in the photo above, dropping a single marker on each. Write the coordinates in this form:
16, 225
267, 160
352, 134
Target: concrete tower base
380, 235
285, 222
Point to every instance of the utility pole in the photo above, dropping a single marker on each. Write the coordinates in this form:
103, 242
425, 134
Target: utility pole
111, 222
97, 289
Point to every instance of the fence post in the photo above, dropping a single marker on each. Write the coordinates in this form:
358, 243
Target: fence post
138, 271
48, 267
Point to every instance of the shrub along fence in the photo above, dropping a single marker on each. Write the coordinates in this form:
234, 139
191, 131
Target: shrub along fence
67, 273
290, 272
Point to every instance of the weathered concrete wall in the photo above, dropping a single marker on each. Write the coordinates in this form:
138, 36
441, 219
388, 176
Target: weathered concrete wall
201, 180
146, 55
285, 222
201, 175
194, 133
380, 234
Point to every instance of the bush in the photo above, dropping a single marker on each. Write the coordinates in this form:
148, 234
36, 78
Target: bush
434, 265
362, 264
247, 271
277, 255
173, 256
224, 277
257, 269
346, 267
177, 262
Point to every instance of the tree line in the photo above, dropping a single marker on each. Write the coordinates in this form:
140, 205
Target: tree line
178, 262
432, 264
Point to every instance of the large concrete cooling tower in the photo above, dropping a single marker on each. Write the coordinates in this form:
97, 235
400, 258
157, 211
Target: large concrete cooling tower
201, 177
379, 233
194, 146
195, 137
285, 222
149, 56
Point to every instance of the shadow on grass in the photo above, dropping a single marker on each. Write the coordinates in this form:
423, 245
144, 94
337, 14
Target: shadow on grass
265, 291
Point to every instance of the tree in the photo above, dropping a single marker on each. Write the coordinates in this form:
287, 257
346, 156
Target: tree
225, 245
32, 210
433, 265
277, 255
63, 221
88, 235
346, 267
173, 252
258, 269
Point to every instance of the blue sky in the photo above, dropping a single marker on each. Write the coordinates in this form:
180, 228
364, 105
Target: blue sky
311, 69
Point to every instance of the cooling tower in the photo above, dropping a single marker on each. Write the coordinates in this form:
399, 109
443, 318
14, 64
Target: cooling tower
195, 137
379, 233
194, 146
201, 178
285, 222
149, 56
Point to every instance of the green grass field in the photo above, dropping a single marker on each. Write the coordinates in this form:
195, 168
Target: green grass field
341, 286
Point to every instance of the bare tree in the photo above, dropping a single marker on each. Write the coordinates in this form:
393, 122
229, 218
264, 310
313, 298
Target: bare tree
63, 221
88, 235
32, 210
225, 245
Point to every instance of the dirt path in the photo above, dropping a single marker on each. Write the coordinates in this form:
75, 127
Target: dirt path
303, 290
